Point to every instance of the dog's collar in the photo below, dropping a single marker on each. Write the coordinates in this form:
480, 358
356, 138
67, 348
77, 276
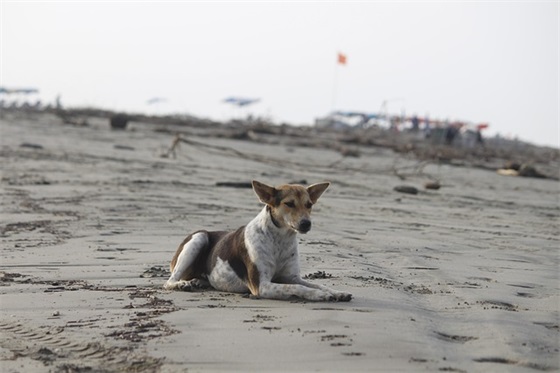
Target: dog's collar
276, 224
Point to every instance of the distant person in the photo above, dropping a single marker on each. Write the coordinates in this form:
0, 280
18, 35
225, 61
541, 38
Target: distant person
395, 124
450, 134
415, 124
427, 128
58, 103
363, 121
479, 138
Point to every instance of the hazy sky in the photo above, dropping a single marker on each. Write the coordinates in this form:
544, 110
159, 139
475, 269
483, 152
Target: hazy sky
495, 62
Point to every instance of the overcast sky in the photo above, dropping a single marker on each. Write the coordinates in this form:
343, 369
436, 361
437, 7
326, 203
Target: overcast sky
494, 62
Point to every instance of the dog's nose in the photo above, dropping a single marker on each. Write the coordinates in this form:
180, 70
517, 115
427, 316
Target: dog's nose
304, 225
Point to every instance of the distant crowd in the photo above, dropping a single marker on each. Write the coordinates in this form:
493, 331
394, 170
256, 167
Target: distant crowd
446, 132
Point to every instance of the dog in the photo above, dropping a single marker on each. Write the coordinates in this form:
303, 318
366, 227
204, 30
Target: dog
260, 258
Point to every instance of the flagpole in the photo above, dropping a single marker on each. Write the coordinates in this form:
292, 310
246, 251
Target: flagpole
335, 85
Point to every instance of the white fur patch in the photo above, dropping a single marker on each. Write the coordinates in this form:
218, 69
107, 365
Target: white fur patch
273, 250
188, 255
224, 278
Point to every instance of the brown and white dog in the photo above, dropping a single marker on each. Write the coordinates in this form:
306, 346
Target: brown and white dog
261, 257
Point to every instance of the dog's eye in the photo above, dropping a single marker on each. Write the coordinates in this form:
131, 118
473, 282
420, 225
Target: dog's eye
290, 204
308, 205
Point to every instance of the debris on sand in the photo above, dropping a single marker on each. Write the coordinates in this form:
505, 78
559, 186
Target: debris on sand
434, 185
31, 146
318, 275
234, 184
119, 121
155, 272
406, 189
520, 169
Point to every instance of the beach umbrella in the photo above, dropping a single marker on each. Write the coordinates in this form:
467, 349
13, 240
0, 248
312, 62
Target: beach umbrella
156, 100
25, 91
240, 101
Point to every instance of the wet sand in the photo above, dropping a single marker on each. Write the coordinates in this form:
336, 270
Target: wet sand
460, 279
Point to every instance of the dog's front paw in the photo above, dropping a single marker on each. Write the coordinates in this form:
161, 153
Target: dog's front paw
198, 284
178, 285
185, 286
341, 296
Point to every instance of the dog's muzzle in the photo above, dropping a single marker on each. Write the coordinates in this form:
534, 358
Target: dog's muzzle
304, 226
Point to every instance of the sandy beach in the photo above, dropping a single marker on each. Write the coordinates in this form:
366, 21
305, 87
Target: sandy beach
460, 279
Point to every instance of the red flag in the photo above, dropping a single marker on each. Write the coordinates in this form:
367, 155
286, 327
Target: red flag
341, 59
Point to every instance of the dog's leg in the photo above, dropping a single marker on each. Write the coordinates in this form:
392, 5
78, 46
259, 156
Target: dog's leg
295, 278
182, 277
273, 290
339, 295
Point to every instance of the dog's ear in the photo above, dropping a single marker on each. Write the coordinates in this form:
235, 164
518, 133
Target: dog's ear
266, 194
316, 190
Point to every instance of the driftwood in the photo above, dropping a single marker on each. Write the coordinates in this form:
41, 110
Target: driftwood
406, 189
234, 184
172, 151
230, 151
249, 185
416, 170
403, 172
436, 155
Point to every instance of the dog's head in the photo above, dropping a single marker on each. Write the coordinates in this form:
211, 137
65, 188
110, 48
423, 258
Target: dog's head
290, 205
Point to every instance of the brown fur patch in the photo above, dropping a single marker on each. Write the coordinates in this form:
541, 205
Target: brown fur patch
296, 192
316, 190
199, 267
231, 249
292, 205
